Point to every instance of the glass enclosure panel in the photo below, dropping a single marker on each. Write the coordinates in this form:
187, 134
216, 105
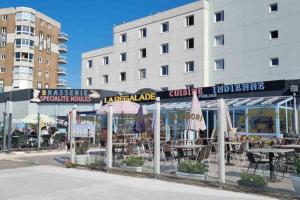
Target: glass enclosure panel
262, 120
239, 116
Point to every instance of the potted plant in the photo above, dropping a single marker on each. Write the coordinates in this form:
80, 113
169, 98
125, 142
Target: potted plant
192, 169
296, 177
133, 163
252, 180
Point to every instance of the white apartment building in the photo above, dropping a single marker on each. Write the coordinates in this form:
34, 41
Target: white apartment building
204, 43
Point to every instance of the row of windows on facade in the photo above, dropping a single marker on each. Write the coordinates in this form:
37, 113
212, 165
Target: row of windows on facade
25, 70
164, 49
29, 57
27, 30
142, 73
164, 70
165, 27
25, 16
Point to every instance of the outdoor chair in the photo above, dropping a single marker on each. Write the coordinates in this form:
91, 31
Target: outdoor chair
200, 154
240, 154
58, 139
255, 161
168, 155
284, 163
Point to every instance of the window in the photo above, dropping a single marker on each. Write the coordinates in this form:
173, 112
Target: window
123, 38
273, 7
189, 43
24, 43
189, 87
48, 43
4, 17
105, 60
274, 62
164, 88
219, 16
164, 70
273, 34
23, 70
1, 85
3, 56
164, 27
39, 72
47, 75
3, 36
41, 22
26, 30
142, 73
24, 56
189, 20
49, 26
89, 63
46, 85
47, 62
189, 66
219, 64
219, 40
123, 57
40, 60
164, 48
2, 69
105, 79
25, 16
41, 41
143, 33
3, 30
39, 85
143, 53
89, 81
123, 76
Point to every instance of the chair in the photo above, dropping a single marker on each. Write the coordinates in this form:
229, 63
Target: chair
239, 154
255, 161
168, 154
201, 154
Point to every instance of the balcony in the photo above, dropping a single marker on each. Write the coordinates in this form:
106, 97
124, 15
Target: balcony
62, 48
63, 37
62, 60
61, 83
61, 71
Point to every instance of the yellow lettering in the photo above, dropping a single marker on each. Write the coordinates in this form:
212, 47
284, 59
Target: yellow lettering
44, 92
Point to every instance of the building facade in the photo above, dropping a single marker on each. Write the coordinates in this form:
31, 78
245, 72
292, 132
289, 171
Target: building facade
31, 50
204, 43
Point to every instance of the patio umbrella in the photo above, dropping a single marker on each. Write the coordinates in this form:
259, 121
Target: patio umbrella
34, 119
195, 118
121, 107
139, 124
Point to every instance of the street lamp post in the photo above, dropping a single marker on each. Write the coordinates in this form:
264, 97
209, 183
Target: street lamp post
294, 89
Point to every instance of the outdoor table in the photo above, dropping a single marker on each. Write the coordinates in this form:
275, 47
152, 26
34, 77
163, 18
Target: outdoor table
296, 147
271, 152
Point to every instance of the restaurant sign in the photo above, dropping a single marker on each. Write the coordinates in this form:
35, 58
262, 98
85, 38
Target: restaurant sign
213, 92
134, 97
65, 96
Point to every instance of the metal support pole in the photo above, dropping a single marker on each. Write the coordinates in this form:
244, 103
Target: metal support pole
207, 124
286, 119
295, 114
72, 135
221, 130
9, 125
157, 138
167, 127
175, 127
39, 130
109, 153
277, 120
246, 121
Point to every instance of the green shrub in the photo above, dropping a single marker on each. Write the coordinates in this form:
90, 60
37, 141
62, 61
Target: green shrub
192, 167
297, 165
68, 164
134, 161
254, 178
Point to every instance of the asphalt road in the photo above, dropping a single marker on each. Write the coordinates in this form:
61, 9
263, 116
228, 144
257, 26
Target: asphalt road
51, 183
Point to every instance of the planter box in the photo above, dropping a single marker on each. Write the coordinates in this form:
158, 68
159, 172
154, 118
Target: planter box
132, 169
81, 159
296, 183
202, 177
251, 184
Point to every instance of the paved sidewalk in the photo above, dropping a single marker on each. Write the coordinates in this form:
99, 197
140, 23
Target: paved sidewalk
52, 183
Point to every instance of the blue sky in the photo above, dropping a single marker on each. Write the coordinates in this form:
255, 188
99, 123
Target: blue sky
89, 23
